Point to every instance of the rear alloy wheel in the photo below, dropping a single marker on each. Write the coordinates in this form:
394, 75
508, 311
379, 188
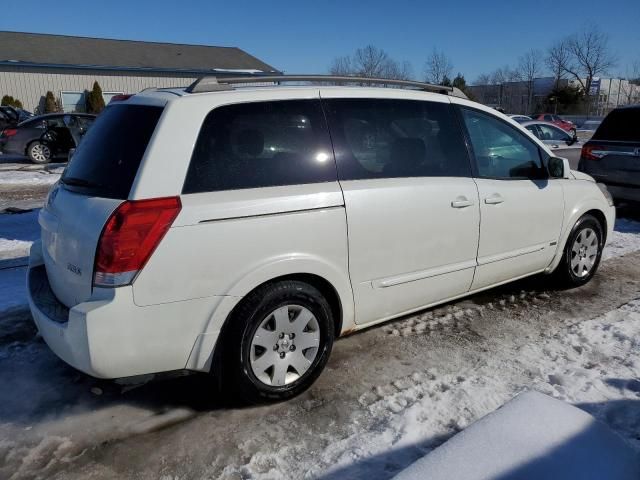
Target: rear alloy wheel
278, 342
39, 153
582, 252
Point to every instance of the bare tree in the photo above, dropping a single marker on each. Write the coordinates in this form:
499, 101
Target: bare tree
483, 79
558, 59
590, 56
371, 62
504, 75
341, 66
437, 67
529, 68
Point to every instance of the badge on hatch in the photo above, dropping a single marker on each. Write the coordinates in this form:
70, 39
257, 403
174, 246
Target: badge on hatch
73, 268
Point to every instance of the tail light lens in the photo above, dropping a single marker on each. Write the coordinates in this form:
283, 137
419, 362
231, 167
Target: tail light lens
591, 152
130, 236
9, 132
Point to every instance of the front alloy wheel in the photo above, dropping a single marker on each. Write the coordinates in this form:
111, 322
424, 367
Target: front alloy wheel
582, 252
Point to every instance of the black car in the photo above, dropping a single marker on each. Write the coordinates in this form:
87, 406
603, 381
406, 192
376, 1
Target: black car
46, 136
17, 115
7, 119
612, 156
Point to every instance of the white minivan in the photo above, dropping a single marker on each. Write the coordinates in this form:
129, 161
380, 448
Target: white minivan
239, 230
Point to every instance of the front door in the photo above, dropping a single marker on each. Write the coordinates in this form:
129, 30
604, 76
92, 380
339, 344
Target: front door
412, 206
521, 209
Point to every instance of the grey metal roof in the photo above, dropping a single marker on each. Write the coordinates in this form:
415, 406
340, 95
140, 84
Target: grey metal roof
83, 52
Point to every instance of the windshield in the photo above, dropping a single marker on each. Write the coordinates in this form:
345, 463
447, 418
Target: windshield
107, 160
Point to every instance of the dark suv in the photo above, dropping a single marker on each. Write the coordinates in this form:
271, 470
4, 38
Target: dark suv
612, 156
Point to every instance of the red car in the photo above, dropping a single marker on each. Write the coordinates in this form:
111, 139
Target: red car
556, 120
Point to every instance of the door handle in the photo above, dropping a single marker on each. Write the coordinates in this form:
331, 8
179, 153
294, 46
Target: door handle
461, 202
494, 199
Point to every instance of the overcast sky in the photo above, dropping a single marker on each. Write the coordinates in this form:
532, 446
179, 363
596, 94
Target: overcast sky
304, 36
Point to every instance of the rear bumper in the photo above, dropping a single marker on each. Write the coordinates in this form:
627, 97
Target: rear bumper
629, 193
109, 336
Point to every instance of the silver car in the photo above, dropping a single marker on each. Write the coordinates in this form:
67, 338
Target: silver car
558, 140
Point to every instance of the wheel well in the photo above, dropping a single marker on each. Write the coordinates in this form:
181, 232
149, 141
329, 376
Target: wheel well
601, 219
327, 290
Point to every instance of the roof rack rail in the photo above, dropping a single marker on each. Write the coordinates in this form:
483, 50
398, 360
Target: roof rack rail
212, 83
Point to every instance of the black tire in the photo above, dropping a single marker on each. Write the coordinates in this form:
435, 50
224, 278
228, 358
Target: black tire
39, 153
564, 273
236, 371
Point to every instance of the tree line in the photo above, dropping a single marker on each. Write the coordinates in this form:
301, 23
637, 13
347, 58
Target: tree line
373, 62
581, 57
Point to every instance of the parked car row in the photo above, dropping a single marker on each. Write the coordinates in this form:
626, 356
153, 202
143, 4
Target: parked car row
561, 142
44, 137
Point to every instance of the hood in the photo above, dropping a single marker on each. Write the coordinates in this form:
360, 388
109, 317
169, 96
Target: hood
582, 176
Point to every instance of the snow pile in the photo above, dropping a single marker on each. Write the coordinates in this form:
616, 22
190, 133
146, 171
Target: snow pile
625, 239
529, 438
17, 232
22, 178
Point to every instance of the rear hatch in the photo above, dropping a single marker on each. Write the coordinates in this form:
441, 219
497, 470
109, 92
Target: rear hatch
94, 184
613, 153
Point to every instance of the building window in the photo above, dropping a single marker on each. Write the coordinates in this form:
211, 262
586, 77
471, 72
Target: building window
77, 101
73, 102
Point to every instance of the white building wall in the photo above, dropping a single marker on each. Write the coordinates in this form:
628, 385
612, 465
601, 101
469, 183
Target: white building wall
30, 85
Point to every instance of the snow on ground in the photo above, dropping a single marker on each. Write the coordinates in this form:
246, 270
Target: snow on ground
22, 178
625, 239
531, 437
594, 364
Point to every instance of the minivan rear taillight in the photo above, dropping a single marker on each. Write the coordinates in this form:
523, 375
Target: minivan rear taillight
591, 152
131, 234
9, 132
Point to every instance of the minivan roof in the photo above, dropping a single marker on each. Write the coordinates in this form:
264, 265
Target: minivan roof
213, 84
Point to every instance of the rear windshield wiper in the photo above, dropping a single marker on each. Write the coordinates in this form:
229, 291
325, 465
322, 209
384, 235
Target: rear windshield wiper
80, 182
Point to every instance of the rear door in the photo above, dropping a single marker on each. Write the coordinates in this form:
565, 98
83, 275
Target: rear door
412, 206
95, 182
521, 209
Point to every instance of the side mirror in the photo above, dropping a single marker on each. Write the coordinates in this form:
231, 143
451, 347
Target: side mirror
573, 139
558, 167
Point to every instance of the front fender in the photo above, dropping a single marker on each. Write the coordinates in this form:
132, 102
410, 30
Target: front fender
576, 205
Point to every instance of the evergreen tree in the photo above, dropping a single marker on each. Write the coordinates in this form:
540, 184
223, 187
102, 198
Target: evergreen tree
95, 101
50, 103
8, 100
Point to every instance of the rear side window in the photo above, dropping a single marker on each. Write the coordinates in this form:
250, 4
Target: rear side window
107, 160
382, 138
621, 125
262, 144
